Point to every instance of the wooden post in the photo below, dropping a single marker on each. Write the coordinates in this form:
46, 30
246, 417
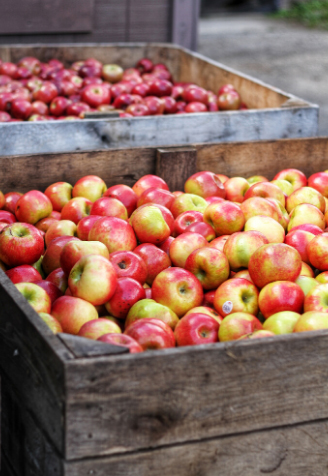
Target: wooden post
185, 22
175, 165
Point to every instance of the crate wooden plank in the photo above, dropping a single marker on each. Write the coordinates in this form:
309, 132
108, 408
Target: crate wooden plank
66, 136
154, 26
129, 403
83, 347
176, 165
44, 16
185, 23
32, 358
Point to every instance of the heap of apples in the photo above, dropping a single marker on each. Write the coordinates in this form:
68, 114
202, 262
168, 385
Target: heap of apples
142, 267
35, 91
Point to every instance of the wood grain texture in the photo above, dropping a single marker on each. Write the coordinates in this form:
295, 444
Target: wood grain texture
32, 359
44, 16
176, 165
185, 23
300, 450
232, 126
129, 403
268, 121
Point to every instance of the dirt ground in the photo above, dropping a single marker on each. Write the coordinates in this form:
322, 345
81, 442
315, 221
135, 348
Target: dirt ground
290, 57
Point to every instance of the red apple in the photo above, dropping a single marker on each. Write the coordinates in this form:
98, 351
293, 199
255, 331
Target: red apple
73, 251
59, 279
91, 187
196, 329
115, 233
111, 207
32, 207
125, 194
210, 266
122, 340
226, 218
128, 292
21, 109
76, 209
156, 260
236, 295
205, 184
59, 228
20, 243
151, 334
281, 296
23, 274
46, 93
84, 226
129, 264
184, 245
51, 289
51, 259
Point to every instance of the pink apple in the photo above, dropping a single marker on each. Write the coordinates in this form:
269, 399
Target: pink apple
266, 226
219, 242
97, 328
317, 251
237, 325
156, 260
76, 209
73, 251
20, 243
299, 239
59, 194
72, 313
35, 296
148, 181
23, 274
84, 226
274, 262
205, 184
305, 195
281, 296
294, 176
177, 289
110, 207
265, 190
91, 187
122, 340
151, 334
319, 181
115, 233
305, 213
32, 207
60, 228
240, 246
236, 188
226, 218
236, 295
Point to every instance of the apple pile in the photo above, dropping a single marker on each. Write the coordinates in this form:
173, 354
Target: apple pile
35, 91
146, 268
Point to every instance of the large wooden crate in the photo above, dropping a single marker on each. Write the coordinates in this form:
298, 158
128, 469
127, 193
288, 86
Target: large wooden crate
273, 114
71, 21
70, 407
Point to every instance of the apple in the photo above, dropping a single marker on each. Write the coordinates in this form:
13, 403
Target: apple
195, 106
59, 105
281, 322
219, 242
37, 297
122, 340
127, 293
59, 228
72, 313
256, 178
203, 229
129, 264
306, 283
45, 223
236, 188
137, 110
90, 187
319, 182
281, 296
316, 230
84, 226
51, 289
97, 328
205, 184
45, 93
24, 273
306, 270
151, 334
322, 277
183, 246
226, 218
115, 233
51, 322
236, 295
256, 206
237, 325
285, 186
194, 93
20, 243
112, 73
155, 195
155, 105
76, 109
51, 259
209, 265
229, 101
91, 68
148, 181
59, 279
21, 109
265, 190
32, 207
185, 219
39, 107
148, 309
160, 87
31, 63
150, 225
93, 278
124, 194
305, 195
6, 217
240, 246
165, 245
244, 273
294, 176
267, 226
274, 262
156, 260
9, 200
73, 251
299, 239
106, 206
4, 116
196, 329
145, 65
177, 289
312, 321
8, 69
317, 251
76, 209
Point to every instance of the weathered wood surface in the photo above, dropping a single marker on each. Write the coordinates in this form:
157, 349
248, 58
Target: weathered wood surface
129, 403
42, 16
176, 165
128, 165
157, 131
125, 20
32, 359
82, 347
272, 122
185, 23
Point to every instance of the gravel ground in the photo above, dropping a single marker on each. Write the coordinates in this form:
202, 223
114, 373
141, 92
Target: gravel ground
288, 56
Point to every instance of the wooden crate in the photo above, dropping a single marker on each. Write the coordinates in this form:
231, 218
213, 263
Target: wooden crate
70, 407
273, 114
71, 21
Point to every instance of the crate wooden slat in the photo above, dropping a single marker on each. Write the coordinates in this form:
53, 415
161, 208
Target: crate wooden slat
267, 118
253, 405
